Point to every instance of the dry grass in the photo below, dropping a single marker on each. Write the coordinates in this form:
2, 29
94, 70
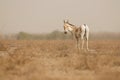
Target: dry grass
59, 60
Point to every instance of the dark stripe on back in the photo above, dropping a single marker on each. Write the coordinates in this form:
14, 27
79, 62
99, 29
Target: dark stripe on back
71, 24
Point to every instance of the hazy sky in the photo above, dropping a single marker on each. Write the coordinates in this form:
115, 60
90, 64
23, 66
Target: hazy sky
38, 16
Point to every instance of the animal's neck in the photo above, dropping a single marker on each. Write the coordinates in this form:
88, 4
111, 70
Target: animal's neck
73, 29
70, 29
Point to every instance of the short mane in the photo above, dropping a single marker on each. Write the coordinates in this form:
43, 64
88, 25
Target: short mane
71, 24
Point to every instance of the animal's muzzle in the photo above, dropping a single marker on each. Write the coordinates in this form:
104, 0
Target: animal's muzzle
65, 32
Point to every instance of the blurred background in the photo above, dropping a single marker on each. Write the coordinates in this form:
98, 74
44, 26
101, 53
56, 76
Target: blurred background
43, 19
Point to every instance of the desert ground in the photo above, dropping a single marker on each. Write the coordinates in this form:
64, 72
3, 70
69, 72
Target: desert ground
59, 60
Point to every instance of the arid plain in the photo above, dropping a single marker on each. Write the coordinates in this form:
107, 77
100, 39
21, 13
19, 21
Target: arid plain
59, 60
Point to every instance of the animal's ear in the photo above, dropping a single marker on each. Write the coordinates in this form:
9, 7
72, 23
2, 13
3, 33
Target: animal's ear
67, 21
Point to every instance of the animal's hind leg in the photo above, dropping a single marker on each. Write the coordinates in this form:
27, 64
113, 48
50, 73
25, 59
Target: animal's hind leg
87, 43
82, 41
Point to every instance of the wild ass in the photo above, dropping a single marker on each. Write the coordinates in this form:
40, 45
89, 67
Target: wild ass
78, 33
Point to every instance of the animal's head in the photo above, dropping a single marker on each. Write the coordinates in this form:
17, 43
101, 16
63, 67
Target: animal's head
65, 26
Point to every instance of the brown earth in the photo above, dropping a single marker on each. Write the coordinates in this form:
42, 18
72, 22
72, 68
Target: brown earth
59, 60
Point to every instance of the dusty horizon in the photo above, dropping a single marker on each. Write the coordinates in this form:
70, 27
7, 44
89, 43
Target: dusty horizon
43, 16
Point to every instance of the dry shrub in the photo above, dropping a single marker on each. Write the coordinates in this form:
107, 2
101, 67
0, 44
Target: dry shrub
79, 61
59, 59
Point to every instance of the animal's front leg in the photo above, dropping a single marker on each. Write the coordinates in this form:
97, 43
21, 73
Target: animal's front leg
87, 45
77, 42
73, 35
75, 39
82, 44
